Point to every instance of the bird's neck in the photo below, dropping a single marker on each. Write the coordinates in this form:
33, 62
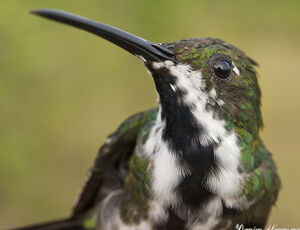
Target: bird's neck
188, 144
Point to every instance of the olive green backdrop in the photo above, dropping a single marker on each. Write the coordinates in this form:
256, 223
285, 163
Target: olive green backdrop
62, 91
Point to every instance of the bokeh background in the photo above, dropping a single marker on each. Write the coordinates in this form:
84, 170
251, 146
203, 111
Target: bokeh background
62, 91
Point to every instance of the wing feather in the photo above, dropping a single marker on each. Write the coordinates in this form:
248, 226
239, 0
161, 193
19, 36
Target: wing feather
112, 161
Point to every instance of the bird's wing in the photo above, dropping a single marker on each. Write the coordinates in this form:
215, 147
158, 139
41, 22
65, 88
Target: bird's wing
112, 160
260, 190
261, 171
258, 194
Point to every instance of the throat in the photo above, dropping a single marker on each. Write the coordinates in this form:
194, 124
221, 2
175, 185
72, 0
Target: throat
181, 163
193, 153
199, 158
183, 133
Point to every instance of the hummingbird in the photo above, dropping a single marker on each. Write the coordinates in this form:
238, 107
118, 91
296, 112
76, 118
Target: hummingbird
196, 161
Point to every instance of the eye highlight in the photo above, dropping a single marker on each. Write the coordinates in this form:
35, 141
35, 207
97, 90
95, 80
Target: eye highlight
221, 67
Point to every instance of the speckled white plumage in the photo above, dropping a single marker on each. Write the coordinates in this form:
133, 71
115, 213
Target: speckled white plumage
167, 170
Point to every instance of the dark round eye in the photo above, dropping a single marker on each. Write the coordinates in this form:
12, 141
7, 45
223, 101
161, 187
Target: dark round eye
222, 69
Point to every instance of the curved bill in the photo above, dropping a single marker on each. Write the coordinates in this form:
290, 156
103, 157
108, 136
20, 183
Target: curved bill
138, 46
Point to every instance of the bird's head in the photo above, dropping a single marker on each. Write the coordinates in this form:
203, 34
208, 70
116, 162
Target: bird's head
199, 81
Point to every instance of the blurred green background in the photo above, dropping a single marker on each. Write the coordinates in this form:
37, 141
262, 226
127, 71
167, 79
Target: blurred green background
62, 91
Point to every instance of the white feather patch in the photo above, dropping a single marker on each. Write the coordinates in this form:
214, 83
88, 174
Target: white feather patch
227, 184
236, 70
166, 169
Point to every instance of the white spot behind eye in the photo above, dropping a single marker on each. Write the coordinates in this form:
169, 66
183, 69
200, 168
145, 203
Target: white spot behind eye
236, 70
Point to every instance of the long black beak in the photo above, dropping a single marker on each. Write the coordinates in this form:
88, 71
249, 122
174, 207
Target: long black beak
138, 46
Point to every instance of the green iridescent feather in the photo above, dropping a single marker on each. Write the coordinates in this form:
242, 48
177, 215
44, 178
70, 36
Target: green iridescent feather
131, 132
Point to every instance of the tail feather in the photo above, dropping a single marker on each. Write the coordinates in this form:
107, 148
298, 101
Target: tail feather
64, 224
